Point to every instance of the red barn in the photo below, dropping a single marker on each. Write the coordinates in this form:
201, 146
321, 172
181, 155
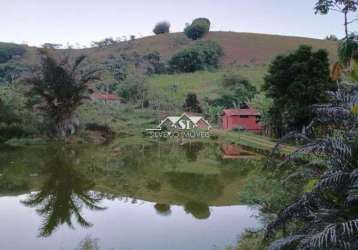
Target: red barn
246, 118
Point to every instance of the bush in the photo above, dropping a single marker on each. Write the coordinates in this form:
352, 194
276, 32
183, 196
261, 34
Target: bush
161, 28
203, 56
348, 50
198, 28
192, 104
8, 51
240, 91
154, 64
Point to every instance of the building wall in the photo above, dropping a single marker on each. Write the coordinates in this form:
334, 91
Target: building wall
248, 123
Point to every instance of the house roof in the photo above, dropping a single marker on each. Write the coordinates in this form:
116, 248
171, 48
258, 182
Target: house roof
235, 112
175, 119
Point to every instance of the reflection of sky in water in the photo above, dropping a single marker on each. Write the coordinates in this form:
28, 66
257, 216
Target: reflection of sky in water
126, 226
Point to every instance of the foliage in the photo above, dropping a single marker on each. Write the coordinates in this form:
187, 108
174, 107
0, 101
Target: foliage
348, 50
134, 89
9, 123
9, 73
240, 91
331, 38
326, 217
9, 51
213, 113
198, 28
192, 104
249, 241
88, 244
295, 82
107, 42
118, 67
161, 28
51, 45
343, 6
202, 56
61, 87
154, 63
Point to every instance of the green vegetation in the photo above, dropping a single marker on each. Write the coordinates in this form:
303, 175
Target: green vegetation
9, 50
161, 28
239, 91
295, 82
203, 56
348, 51
335, 192
198, 28
345, 7
192, 104
60, 89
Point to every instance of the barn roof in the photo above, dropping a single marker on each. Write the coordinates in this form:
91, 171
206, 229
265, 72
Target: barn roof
235, 112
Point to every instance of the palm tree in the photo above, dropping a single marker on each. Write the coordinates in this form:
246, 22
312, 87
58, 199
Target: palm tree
327, 217
63, 195
61, 86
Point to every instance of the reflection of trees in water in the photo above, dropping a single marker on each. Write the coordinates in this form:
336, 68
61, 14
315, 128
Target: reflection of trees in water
63, 195
199, 210
196, 185
192, 150
163, 209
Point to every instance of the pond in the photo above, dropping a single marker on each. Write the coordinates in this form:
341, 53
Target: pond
160, 196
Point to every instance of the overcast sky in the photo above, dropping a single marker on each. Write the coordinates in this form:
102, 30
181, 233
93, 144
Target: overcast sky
82, 21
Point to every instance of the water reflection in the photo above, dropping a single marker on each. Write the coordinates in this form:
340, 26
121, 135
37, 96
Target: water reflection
192, 150
199, 210
162, 209
63, 194
160, 188
200, 186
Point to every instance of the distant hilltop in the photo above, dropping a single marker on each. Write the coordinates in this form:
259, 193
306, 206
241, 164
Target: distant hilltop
239, 48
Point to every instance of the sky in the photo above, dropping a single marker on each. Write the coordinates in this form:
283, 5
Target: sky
78, 22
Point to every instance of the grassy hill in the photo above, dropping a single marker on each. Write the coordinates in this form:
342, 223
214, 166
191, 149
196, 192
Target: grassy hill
239, 48
248, 54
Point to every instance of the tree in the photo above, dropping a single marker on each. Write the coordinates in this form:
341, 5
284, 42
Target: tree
161, 28
61, 87
326, 217
134, 89
192, 104
348, 51
331, 38
52, 45
198, 28
107, 42
9, 51
202, 56
153, 63
343, 6
295, 82
239, 91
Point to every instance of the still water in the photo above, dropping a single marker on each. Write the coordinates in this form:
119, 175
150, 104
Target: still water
138, 197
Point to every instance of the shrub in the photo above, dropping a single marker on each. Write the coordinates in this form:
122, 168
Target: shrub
8, 51
154, 64
203, 56
192, 104
198, 28
347, 51
241, 91
161, 28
